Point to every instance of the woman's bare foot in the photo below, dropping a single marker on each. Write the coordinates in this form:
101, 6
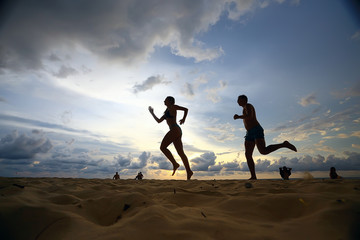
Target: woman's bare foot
175, 167
290, 146
189, 174
253, 178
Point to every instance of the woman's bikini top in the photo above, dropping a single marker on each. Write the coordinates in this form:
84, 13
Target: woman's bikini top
167, 114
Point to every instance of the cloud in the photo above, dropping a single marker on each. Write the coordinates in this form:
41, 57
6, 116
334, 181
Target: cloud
264, 4
221, 132
160, 162
213, 93
295, 2
123, 31
309, 163
130, 162
65, 71
25, 122
356, 36
241, 8
344, 135
149, 83
2, 100
54, 58
231, 166
323, 125
355, 146
204, 162
66, 117
347, 93
189, 88
308, 100
15, 146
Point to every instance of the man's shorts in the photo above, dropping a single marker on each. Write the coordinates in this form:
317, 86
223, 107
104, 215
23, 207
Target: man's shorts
254, 133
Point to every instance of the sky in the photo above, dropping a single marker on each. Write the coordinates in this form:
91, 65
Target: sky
77, 77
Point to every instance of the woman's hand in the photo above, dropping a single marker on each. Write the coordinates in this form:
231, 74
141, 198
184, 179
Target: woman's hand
151, 110
182, 121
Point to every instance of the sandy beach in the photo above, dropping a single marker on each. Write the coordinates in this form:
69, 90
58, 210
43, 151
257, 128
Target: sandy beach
57, 208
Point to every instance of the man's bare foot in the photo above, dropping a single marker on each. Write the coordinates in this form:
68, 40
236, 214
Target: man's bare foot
253, 178
290, 146
189, 174
175, 167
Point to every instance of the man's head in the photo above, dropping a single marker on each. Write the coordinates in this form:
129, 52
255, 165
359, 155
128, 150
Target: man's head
242, 100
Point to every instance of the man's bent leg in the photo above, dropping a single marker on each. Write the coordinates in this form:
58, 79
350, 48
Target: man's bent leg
260, 143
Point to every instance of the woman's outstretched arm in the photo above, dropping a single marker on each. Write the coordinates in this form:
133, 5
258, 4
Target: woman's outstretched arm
159, 120
185, 113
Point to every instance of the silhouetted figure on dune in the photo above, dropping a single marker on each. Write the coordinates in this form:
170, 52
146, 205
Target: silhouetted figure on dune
116, 176
139, 176
285, 172
255, 135
174, 135
333, 174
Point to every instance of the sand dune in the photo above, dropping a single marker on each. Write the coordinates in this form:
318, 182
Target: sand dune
55, 208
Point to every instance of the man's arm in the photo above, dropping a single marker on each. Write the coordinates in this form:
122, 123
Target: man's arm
247, 113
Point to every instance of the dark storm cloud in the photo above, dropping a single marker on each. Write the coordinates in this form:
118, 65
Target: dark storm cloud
126, 31
160, 162
203, 162
15, 146
130, 162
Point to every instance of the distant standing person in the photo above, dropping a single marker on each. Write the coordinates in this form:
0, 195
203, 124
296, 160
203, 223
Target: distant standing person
285, 172
333, 174
174, 135
255, 135
116, 176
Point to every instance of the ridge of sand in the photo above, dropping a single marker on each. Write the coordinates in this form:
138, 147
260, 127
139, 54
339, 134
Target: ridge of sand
59, 208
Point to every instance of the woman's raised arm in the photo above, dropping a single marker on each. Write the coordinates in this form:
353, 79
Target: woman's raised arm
159, 120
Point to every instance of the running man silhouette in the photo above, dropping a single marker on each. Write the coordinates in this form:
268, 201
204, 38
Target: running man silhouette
174, 134
255, 135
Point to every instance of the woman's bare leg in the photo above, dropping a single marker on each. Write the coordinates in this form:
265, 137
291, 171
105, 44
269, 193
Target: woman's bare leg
167, 140
180, 150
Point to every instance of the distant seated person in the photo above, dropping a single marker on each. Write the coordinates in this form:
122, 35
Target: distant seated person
116, 176
139, 176
333, 174
285, 172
